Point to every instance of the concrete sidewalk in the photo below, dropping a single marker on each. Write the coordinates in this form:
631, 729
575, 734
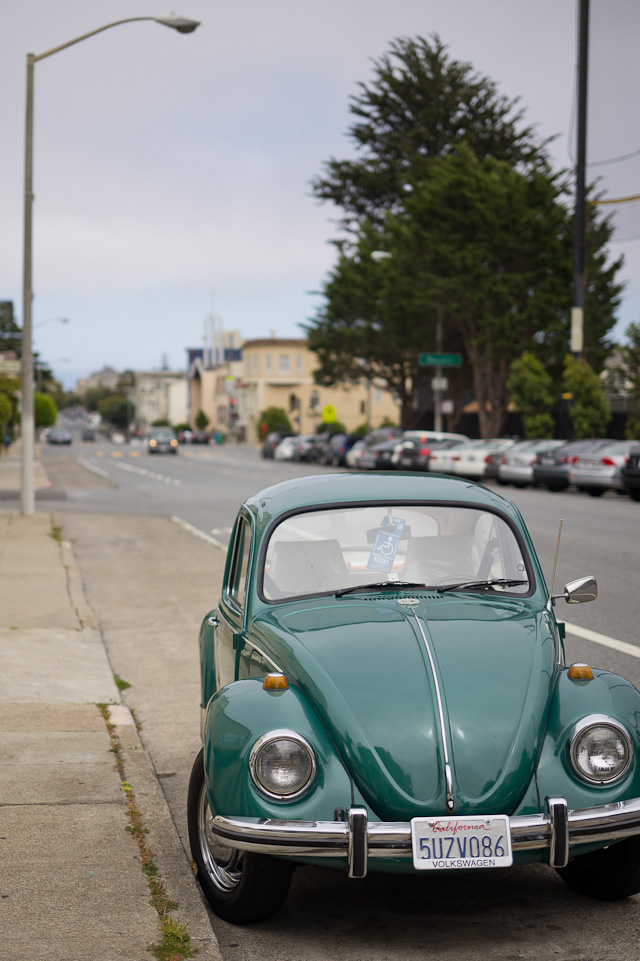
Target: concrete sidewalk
72, 885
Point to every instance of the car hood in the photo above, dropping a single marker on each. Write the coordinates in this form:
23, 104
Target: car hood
363, 663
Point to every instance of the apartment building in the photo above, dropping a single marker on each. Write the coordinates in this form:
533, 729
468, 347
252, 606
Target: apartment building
278, 372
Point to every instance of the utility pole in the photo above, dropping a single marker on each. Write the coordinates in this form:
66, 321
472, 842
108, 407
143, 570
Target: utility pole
577, 310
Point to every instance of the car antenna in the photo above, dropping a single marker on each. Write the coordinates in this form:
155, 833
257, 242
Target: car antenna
555, 562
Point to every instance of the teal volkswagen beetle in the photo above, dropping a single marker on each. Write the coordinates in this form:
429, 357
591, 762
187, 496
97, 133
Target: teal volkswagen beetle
384, 689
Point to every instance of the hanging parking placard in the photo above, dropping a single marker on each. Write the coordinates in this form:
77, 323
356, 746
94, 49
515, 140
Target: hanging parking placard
385, 546
329, 414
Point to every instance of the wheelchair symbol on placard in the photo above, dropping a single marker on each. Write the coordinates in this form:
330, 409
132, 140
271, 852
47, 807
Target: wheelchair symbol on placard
385, 546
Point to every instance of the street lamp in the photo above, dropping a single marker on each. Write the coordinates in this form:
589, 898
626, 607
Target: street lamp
182, 25
49, 320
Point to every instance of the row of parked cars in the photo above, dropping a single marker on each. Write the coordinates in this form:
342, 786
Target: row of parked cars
593, 466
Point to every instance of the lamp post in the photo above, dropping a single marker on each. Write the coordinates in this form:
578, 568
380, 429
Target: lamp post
182, 25
577, 310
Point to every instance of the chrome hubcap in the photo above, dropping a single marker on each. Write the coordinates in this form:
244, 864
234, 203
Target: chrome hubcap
223, 865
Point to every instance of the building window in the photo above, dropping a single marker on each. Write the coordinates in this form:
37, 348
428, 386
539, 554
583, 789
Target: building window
284, 364
377, 395
299, 363
267, 363
254, 363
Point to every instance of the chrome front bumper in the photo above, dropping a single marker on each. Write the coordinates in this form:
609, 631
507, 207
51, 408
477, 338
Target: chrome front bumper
357, 838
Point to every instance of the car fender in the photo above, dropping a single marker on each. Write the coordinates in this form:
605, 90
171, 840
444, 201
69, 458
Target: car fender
207, 657
606, 694
240, 713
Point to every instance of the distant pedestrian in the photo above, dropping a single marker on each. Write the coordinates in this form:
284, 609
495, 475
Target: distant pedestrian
7, 440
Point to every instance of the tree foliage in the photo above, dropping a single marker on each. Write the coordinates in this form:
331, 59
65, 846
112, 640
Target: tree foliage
272, 418
630, 353
44, 410
202, 420
452, 185
590, 413
531, 391
116, 409
418, 106
10, 333
5, 412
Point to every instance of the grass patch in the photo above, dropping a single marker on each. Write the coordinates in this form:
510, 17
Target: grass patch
56, 532
121, 684
175, 943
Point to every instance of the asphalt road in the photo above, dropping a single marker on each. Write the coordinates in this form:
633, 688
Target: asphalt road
204, 485
527, 913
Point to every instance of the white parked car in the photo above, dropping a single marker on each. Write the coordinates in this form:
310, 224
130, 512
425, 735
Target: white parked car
442, 461
353, 456
471, 460
424, 437
285, 449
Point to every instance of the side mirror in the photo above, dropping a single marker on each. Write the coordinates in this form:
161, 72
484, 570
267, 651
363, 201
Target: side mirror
580, 591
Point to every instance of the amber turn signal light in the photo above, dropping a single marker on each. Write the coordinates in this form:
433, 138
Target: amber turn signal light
275, 682
580, 672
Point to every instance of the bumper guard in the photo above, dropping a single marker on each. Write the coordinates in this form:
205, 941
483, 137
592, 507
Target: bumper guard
358, 839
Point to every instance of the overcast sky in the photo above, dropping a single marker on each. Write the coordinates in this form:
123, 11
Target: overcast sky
171, 172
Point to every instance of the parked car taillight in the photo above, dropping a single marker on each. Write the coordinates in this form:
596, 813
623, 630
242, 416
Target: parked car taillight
425, 451
503, 459
608, 462
574, 459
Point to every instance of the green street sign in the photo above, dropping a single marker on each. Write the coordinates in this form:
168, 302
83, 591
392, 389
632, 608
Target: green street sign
440, 360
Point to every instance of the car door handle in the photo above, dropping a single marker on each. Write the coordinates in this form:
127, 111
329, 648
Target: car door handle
213, 621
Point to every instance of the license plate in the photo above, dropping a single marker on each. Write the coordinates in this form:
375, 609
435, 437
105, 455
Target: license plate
450, 843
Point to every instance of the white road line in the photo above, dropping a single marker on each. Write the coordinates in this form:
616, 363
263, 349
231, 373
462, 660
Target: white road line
147, 473
198, 533
603, 640
95, 470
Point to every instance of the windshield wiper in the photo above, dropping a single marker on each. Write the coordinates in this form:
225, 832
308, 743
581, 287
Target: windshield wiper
470, 585
379, 586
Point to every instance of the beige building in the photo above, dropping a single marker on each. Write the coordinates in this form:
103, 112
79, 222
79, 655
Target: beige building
107, 378
159, 395
279, 373
217, 392
9, 364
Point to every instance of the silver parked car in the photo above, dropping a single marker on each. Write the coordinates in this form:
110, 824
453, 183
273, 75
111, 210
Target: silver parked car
598, 471
516, 464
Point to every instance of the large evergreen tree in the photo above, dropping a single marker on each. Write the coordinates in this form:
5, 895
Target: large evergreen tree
461, 195
420, 104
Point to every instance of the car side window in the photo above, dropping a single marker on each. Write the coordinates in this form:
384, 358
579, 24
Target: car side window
237, 586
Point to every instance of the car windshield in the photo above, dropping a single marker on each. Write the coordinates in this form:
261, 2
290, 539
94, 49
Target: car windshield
326, 551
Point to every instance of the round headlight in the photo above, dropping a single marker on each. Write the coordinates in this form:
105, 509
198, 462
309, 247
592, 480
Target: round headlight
600, 749
282, 764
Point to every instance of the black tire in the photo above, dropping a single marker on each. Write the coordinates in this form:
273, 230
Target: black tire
240, 887
595, 491
555, 488
609, 874
634, 493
